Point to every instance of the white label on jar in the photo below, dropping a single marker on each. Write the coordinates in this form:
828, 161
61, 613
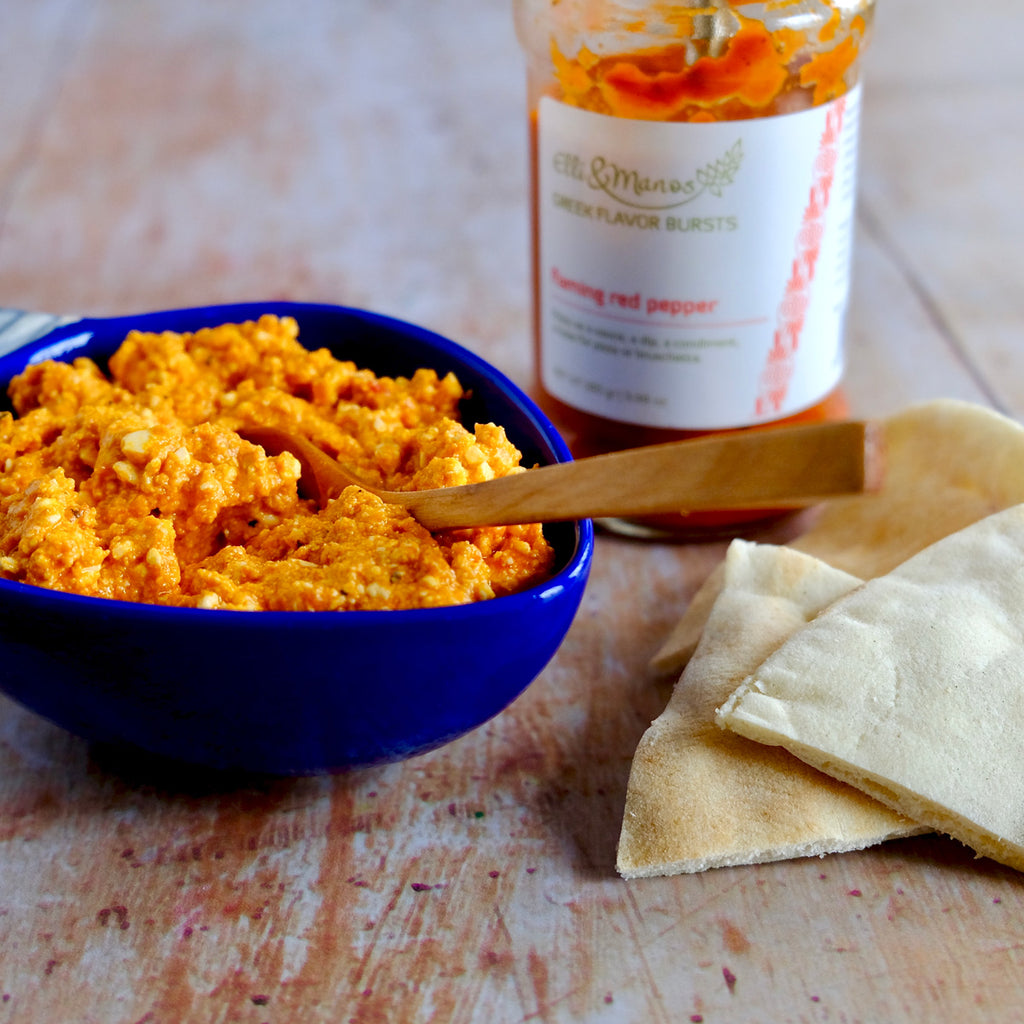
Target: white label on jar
695, 276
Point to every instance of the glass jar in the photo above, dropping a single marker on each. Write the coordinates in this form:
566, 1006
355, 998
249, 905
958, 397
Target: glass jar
693, 178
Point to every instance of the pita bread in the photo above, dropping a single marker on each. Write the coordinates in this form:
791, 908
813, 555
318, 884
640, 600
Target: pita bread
699, 797
912, 688
924, 498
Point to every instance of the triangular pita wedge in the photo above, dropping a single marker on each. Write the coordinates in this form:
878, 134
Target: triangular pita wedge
912, 688
699, 797
926, 496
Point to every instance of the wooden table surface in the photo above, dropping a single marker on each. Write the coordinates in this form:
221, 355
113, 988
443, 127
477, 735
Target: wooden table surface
166, 154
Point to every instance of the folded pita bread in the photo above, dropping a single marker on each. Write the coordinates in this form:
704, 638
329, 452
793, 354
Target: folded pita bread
924, 498
699, 797
912, 688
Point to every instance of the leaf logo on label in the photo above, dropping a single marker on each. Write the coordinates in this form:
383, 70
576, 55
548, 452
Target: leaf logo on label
716, 176
632, 188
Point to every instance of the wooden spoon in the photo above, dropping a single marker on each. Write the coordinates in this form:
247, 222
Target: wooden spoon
770, 468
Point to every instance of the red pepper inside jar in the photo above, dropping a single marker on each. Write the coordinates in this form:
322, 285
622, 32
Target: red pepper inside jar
693, 187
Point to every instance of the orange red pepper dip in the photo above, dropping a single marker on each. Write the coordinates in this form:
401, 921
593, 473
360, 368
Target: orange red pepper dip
138, 487
758, 73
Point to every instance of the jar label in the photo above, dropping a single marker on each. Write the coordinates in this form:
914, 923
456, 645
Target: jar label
695, 276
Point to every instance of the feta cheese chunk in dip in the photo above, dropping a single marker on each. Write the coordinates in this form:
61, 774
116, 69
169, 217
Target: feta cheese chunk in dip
137, 485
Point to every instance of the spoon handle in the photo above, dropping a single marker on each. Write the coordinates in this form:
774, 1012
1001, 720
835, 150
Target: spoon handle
769, 468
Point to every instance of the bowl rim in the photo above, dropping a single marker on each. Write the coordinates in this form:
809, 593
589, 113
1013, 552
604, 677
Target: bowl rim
73, 335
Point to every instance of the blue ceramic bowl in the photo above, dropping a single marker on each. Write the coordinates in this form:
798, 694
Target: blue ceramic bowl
292, 693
